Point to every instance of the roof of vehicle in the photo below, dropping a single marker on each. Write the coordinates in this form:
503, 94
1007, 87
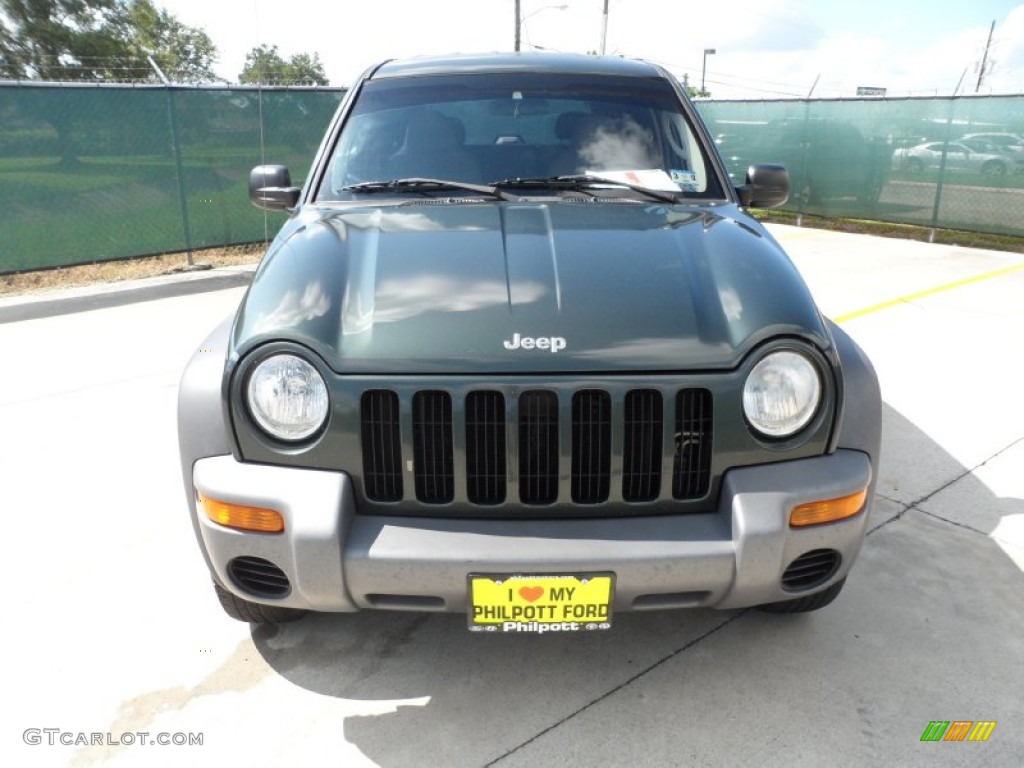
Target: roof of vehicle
983, 135
533, 61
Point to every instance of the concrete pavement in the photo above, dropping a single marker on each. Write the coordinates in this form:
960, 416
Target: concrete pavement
114, 629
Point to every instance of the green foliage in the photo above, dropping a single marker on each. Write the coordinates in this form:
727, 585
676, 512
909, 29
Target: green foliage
54, 39
99, 40
265, 66
693, 91
185, 54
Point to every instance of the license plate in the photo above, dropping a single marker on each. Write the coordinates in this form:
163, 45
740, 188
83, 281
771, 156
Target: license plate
552, 603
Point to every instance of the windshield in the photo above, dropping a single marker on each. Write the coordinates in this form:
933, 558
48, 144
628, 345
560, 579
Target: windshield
489, 128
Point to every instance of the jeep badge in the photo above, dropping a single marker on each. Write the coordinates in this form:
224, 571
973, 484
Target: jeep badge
552, 343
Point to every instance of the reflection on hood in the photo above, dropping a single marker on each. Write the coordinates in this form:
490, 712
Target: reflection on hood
399, 298
294, 309
400, 289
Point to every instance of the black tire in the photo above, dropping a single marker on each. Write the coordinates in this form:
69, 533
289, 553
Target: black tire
808, 194
254, 613
915, 166
994, 168
871, 193
806, 603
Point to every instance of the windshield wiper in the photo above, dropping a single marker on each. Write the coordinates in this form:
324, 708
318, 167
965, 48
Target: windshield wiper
581, 182
427, 185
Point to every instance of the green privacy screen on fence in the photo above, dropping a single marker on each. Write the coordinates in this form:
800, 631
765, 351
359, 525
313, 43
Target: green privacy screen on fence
95, 173
89, 173
951, 163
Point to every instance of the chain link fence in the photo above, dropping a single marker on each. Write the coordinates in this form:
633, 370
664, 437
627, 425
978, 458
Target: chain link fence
91, 173
955, 163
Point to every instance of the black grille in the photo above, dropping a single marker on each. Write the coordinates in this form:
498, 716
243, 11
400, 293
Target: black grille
641, 450
811, 569
610, 431
433, 464
485, 447
382, 447
538, 447
691, 473
258, 577
591, 446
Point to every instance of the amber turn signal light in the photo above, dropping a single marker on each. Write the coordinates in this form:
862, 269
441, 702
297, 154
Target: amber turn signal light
827, 511
242, 517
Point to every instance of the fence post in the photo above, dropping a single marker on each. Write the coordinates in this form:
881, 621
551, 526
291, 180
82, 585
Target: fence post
805, 192
942, 169
179, 166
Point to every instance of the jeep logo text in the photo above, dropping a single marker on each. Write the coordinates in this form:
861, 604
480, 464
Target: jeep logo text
551, 343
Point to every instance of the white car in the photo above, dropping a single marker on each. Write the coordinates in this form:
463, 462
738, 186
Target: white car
965, 156
1007, 143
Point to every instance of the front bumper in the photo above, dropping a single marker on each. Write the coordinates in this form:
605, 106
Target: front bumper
338, 560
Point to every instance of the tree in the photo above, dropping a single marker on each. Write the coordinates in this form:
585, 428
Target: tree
264, 65
99, 40
692, 91
184, 54
55, 39
304, 68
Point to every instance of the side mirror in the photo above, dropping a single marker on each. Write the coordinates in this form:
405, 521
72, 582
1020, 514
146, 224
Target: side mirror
270, 188
767, 187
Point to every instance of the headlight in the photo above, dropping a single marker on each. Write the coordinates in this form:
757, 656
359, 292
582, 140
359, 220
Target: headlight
287, 397
781, 394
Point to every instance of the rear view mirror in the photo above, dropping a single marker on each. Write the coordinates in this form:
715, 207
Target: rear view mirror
767, 186
270, 188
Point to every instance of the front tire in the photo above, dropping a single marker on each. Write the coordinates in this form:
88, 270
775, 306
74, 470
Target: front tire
994, 168
806, 603
254, 613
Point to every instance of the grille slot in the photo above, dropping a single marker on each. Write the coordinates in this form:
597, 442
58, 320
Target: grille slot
433, 462
811, 569
591, 446
485, 447
258, 577
382, 447
538, 447
641, 451
691, 472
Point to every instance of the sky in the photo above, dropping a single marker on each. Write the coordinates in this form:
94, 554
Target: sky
764, 49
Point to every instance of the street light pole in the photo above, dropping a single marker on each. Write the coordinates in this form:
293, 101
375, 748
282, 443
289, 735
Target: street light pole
704, 68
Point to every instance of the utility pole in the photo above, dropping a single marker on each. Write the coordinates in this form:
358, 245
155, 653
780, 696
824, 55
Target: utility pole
984, 57
604, 28
518, 23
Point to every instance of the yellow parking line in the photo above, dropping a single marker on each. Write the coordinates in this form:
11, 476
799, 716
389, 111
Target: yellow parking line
929, 292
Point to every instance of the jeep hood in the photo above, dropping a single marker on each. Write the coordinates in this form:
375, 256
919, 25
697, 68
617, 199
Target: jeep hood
462, 287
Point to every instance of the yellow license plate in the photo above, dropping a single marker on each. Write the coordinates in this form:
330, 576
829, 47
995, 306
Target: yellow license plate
523, 603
